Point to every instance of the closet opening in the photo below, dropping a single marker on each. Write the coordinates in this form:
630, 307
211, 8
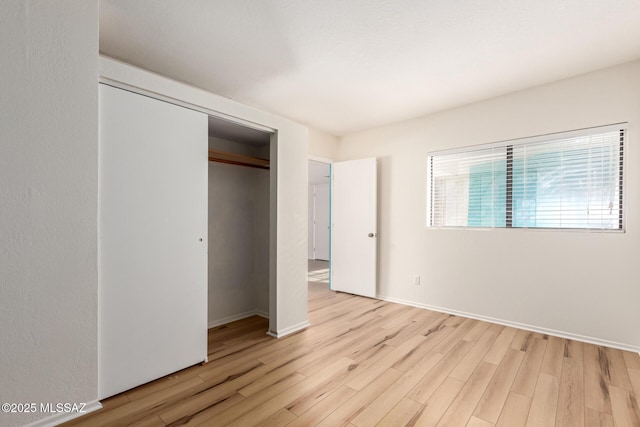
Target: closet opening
239, 227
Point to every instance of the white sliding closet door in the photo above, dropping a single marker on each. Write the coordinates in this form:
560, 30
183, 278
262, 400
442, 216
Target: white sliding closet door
152, 239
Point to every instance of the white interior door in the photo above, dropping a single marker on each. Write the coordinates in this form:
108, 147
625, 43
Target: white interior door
354, 227
321, 219
152, 304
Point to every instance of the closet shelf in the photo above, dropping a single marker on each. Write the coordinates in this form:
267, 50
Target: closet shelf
237, 159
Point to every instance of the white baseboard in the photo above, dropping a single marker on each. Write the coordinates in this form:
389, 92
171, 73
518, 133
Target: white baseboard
262, 314
290, 330
240, 316
63, 417
532, 328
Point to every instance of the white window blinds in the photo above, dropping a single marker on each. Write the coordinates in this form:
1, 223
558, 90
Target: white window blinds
571, 180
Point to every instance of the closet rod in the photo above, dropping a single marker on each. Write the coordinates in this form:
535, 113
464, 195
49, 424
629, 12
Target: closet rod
237, 159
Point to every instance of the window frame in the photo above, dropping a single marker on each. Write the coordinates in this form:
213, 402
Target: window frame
508, 145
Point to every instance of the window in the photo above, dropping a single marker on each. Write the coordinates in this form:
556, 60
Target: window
570, 180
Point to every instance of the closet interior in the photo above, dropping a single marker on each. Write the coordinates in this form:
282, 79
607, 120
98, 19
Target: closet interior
238, 256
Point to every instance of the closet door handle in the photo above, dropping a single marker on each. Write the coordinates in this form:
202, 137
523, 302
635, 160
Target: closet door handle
371, 235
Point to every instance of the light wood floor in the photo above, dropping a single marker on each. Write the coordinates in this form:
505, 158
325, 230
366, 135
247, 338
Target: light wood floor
366, 362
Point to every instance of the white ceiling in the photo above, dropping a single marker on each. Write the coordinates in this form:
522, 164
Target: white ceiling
347, 65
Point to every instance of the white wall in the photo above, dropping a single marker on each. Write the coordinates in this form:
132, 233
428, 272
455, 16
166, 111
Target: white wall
322, 144
575, 283
288, 187
48, 194
238, 237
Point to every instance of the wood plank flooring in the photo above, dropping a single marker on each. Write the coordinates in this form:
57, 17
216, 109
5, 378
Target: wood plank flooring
365, 362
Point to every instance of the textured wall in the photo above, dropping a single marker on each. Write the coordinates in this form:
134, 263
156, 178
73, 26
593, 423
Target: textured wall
48, 199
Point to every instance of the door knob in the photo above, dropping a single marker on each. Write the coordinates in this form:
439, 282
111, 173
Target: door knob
371, 234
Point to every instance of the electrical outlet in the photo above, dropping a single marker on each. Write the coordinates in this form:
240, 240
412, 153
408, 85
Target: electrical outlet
416, 280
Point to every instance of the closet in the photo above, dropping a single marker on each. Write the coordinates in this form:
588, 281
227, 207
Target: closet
153, 208
183, 242
239, 198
